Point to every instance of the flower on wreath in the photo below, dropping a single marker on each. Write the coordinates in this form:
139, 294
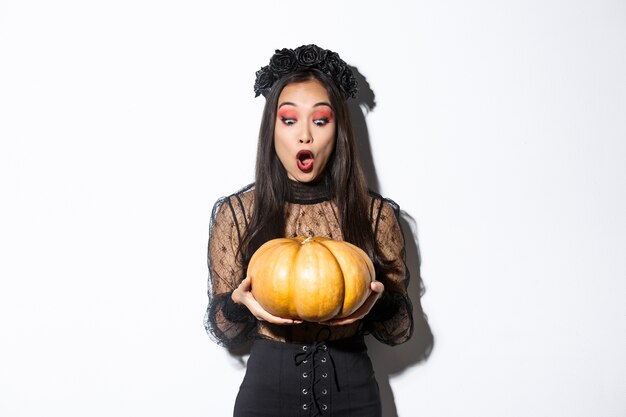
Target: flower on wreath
310, 55
264, 81
283, 62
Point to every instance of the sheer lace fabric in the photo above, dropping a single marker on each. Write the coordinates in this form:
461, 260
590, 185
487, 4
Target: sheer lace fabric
310, 211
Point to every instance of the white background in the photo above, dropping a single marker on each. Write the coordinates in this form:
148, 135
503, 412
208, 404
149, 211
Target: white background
499, 127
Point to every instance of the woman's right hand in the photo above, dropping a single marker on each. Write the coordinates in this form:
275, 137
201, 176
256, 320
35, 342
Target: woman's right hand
243, 295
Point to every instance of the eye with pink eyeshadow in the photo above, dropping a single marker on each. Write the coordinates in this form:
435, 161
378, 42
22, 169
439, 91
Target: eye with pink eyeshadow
287, 116
322, 117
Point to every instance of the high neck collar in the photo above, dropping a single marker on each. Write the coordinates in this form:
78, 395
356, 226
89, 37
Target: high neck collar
308, 192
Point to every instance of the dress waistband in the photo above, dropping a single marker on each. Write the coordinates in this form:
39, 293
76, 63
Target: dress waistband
350, 344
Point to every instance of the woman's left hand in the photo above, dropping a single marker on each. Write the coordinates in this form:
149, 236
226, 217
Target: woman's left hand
377, 291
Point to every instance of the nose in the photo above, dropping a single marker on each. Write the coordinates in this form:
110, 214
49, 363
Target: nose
305, 135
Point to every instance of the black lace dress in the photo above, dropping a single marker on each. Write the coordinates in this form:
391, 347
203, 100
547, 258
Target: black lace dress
305, 369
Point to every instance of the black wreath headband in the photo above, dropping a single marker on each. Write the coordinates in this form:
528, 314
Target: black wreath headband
285, 61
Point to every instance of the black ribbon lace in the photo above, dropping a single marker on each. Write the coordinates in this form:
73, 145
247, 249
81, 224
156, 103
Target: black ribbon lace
312, 358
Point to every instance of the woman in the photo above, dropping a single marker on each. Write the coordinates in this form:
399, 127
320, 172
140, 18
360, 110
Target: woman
308, 181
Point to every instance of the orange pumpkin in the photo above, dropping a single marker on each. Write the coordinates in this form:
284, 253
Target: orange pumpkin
313, 279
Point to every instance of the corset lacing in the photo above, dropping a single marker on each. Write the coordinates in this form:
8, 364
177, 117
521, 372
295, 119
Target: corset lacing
315, 362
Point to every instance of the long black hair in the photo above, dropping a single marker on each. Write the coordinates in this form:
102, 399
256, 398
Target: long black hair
343, 175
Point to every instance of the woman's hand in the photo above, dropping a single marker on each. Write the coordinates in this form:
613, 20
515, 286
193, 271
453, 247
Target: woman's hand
243, 295
377, 292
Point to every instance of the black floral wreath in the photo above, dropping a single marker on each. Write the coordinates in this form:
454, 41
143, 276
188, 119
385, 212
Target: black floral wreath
285, 61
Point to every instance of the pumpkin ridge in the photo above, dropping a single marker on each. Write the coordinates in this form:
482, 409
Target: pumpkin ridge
355, 266
274, 282
366, 258
319, 275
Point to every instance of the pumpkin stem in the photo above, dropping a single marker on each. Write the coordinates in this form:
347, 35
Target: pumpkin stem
307, 240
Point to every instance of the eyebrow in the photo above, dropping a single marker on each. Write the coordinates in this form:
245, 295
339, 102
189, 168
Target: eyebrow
321, 103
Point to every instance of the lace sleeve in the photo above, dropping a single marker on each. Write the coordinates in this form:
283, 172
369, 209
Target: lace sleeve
228, 323
391, 318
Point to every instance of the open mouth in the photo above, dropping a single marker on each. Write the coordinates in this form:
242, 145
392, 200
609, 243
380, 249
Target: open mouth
305, 161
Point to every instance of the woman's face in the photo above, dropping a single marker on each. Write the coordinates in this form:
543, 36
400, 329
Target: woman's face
304, 134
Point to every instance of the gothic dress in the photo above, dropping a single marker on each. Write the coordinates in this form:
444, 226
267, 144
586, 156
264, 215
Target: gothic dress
306, 369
